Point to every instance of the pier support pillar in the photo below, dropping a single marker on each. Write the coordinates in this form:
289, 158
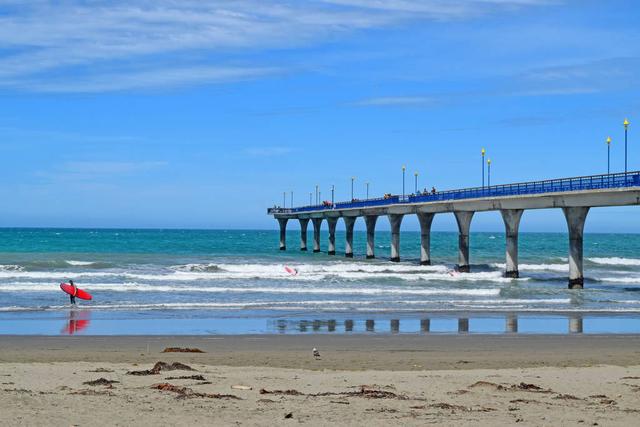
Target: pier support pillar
303, 233
425, 325
575, 222
332, 235
370, 221
395, 220
425, 220
317, 223
575, 324
349, 222
463, 218
511, 218
283, 233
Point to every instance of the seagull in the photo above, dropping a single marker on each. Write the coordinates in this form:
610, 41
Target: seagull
316, 353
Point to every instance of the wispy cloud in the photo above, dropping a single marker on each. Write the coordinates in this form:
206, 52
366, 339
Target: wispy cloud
391, 101
78, 46
85, 172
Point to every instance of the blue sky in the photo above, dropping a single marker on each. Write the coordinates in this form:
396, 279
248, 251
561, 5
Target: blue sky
200, 114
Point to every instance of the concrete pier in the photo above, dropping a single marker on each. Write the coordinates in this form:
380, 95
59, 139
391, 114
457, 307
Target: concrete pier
370, 221
511, 218
349, 222
395, 220
575, 196
283, 233
394, 325
463, 218
317, 223
304, 222
425, 220
575, 222
332, 221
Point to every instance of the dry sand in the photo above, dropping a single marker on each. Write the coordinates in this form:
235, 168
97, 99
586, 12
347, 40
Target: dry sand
359, 380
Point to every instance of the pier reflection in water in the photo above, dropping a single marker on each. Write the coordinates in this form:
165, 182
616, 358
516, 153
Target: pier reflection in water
573, 324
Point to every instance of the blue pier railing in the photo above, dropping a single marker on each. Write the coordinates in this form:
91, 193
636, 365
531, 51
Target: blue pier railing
581, 183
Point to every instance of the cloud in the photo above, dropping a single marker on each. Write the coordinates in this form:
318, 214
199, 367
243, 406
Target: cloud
391, 101
79, 46
96, 172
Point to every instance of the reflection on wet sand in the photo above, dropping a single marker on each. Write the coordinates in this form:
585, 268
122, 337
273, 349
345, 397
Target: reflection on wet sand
464, 325
78, 320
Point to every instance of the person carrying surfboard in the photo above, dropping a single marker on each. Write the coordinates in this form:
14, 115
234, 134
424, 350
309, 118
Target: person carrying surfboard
72, 296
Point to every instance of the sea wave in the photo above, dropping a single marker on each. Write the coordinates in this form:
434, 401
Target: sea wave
615, 261
562, 268
143, 287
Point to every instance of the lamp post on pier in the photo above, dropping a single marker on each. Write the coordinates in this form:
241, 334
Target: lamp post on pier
626, 128
415, 175
353, 178
608, 155
284, 199
367, 184
482, 152
310, 198
404, 168
292, 200
333, 190
488, 172
317, 195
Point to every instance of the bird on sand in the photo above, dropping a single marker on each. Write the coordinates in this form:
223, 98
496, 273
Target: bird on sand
316, 353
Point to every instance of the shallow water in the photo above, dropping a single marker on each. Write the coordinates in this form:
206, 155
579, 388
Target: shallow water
191, 281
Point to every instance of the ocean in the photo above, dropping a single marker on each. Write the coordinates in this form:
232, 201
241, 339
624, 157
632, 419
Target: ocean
234, 281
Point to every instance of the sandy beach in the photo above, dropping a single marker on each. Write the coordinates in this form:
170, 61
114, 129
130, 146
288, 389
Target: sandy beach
357, 380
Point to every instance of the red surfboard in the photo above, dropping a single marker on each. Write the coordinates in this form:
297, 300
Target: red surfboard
78, 293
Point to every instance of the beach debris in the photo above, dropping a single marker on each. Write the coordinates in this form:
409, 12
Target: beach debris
163, 366
289, 415
182, 350
241, 387
186, 392
363, 392
316, 353
92, 392
265, 401
341, 402
487, 384
101, 370
524, 401
188, 377
101, 381
566, 397
290, 392
528, 387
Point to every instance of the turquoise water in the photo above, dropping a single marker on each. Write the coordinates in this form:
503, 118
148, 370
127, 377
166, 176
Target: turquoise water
224, 281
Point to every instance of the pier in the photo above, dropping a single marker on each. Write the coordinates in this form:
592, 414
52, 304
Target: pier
575, 196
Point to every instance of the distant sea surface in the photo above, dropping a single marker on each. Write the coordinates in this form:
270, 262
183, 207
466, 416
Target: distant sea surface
169, 278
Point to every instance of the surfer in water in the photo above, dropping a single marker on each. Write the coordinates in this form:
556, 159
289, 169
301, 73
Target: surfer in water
72, 296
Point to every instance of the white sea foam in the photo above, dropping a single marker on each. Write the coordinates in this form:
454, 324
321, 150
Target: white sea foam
622, 280
615, 261
79, 263
11, 267
140, 287
307, 272
561, 268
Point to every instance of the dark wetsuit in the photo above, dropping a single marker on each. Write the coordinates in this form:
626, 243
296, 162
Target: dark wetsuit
72, 297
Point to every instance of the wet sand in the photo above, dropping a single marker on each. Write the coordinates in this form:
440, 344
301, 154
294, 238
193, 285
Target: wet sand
358, 380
